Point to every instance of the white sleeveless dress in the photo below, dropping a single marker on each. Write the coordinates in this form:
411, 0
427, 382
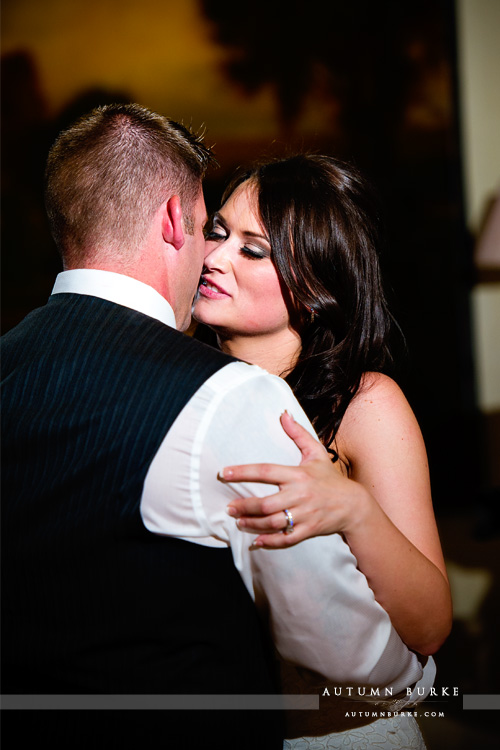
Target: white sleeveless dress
343, 724
396, 733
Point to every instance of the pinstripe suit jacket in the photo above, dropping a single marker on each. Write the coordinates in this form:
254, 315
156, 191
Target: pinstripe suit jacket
92, 601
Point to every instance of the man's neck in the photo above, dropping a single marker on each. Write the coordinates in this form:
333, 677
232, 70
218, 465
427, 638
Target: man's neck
116, 287
141, 272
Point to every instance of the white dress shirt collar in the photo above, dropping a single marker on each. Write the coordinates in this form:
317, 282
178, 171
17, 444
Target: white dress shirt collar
117, 288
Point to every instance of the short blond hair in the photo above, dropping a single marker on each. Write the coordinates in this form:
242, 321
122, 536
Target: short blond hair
108, 173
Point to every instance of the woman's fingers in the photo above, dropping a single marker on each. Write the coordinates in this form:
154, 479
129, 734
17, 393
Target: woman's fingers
279, 541
275, 473
277, 522
261, 473
313, 498
309, 446
251, 508
278, 530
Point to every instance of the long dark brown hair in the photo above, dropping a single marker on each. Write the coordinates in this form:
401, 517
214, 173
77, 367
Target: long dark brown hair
322, 221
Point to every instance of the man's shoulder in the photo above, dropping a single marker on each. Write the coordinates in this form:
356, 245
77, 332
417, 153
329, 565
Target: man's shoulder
235, 374
199, 348
246, 397
18, 336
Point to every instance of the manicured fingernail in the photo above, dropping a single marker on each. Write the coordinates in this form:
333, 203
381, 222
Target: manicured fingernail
227, 473
257, 543
231, 511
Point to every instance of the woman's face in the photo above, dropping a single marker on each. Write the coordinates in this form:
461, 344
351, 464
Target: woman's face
240, 292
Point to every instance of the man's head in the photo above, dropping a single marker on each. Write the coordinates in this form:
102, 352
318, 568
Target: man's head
108, 179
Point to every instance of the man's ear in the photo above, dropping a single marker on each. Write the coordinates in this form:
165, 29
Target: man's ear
172, 229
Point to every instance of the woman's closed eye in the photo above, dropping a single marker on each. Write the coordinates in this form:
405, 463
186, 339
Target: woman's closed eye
256, 253
214, 233
216, 230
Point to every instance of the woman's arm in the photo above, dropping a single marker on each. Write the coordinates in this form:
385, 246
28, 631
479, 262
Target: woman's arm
384, 509
395, 539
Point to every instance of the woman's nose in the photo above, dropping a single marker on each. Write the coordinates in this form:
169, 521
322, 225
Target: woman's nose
217, 257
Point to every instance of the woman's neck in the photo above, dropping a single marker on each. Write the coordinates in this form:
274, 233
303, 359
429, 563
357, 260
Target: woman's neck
276, 354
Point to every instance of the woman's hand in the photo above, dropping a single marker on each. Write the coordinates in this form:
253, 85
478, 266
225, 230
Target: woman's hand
319, 499
384, 512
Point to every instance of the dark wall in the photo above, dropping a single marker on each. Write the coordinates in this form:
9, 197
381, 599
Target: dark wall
390, 69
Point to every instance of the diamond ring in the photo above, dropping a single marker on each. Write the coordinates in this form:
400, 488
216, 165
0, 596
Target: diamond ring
289, 522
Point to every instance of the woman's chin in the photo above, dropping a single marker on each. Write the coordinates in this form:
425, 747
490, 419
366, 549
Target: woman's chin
196, 309
199, 316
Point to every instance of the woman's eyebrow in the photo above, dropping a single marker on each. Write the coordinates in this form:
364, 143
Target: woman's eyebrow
248, 233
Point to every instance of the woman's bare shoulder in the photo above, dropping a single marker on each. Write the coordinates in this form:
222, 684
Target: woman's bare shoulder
378, 412
378, 396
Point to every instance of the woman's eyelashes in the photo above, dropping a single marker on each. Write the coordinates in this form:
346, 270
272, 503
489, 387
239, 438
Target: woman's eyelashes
214, 233
257, 254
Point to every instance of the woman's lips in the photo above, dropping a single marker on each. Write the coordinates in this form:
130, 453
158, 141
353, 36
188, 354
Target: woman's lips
210, 290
